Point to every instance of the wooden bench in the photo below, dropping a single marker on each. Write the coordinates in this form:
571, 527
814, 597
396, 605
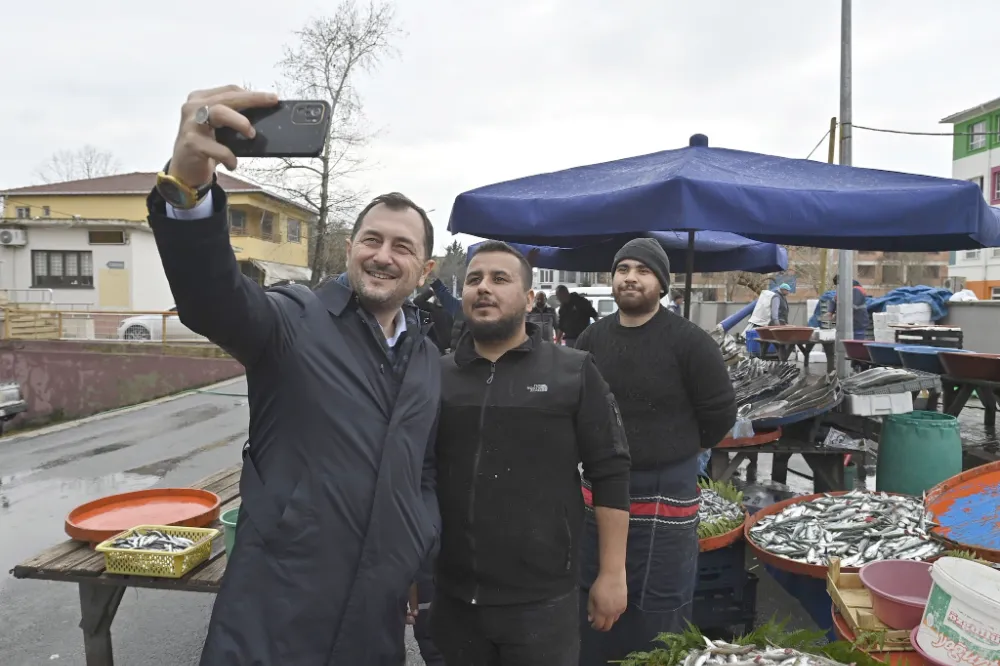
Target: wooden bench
100, 593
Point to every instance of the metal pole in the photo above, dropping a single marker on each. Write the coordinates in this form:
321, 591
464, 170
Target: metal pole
845, 287
689, 272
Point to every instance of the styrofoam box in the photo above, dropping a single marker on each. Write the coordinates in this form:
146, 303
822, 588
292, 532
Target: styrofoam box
881, 320
885, 335
910, 308
878, 405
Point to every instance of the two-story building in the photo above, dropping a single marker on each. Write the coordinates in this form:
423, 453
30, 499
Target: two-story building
976, 157
88, 240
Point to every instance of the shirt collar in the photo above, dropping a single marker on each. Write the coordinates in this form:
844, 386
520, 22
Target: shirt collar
400, 320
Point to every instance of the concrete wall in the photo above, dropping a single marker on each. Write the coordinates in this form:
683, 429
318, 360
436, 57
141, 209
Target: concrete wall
708, 314
979, 322
70, 379
150, 290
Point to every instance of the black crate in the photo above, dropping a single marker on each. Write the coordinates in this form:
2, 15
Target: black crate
717, 609
722, 570
930, 337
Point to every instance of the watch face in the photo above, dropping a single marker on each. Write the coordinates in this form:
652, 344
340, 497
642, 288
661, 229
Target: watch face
173, 194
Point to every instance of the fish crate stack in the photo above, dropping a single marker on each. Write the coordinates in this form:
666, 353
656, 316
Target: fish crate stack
885, 324
726, 594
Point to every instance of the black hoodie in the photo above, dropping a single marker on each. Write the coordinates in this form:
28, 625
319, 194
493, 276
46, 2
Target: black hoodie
510, 439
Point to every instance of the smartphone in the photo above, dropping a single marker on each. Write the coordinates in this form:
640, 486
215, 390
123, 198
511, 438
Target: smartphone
291, 128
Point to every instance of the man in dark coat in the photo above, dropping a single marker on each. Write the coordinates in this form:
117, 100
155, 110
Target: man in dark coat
518, 416
575, 313
338, 504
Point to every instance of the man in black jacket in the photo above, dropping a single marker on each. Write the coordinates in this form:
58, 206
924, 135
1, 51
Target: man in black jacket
575, 313
338, 504
518, 415
676, 400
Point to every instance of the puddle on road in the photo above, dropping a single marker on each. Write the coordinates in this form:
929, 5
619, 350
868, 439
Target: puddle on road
32, 510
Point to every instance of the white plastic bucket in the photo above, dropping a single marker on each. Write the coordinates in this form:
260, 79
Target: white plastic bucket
961, 623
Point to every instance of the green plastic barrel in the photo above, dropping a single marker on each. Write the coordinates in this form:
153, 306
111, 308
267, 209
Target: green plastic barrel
850, 476
917, 451
229, 520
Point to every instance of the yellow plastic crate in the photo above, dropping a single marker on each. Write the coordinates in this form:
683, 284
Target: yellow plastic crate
135, 562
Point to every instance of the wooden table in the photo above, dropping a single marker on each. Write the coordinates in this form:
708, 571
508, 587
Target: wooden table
100, 593
957, 392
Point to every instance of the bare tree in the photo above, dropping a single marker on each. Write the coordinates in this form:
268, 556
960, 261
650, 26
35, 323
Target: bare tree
323, 63
83, 163
898, 269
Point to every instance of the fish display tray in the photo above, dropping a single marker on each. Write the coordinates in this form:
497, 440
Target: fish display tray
722, 569
854, 602
924, 381
708, 544
156, 563
716, 609
965, 508
762, 437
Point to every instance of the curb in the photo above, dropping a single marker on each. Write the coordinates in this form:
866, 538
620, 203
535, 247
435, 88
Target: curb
59, 427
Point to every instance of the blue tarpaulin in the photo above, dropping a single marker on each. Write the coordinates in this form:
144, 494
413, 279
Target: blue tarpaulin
936, 297
767, 198
713, 252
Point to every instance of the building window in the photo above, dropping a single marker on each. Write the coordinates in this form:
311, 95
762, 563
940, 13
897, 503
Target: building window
267, 226
995, 294
62, 270
866, 271
994, 185
545, 275
996, 252
892, 275
972, 254
918, 273
567, 276
46, 211
23, 212
977, 135
106, 237
237, 222
978, 180
294, 231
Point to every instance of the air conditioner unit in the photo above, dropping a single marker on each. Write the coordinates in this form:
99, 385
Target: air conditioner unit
954, 284
13, 237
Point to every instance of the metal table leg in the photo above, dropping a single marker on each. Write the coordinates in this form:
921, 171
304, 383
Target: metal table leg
98, 605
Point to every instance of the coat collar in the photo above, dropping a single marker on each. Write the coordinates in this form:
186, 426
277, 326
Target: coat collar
466, 352
337, 294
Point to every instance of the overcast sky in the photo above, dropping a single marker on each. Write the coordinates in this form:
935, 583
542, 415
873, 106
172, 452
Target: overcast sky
486, 91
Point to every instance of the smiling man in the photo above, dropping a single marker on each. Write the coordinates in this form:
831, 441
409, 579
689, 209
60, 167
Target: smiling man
676, 401
518, 415
338, 505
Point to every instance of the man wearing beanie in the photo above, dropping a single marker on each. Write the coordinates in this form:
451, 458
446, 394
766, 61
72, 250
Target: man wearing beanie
676, 401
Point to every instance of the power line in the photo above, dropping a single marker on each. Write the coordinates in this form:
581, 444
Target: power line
908, 133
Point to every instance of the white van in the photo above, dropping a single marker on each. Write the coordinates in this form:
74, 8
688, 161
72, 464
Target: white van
601, 297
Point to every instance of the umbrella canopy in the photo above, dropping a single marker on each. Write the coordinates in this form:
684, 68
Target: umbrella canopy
767, 198
713, 252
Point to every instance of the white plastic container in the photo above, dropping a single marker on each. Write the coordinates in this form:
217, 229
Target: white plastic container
878, 405
961, 623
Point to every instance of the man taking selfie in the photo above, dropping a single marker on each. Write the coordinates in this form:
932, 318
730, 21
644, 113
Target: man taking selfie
338, 505
518, 416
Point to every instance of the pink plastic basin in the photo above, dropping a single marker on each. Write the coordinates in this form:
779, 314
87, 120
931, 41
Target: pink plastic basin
899, 591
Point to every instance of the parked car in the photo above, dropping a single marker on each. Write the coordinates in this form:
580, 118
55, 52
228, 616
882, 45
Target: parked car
150, 327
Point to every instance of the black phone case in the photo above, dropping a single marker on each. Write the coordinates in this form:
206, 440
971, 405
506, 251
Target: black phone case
283, 130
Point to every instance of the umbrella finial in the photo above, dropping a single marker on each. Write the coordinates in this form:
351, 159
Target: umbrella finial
698, 141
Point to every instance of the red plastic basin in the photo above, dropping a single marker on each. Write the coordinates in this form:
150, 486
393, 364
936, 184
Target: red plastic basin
856, 349
899, 590
984, 367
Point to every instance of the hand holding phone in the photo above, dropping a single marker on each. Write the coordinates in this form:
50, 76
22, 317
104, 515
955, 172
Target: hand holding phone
291, 128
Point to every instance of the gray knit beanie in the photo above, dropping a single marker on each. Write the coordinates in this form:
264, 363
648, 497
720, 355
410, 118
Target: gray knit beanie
650, 253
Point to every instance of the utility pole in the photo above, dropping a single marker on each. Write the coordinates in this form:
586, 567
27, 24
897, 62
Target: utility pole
845, 286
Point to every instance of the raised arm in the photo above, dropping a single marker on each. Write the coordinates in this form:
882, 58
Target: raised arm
213, 297
447, 300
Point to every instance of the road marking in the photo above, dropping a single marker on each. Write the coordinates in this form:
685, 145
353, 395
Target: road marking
59, 427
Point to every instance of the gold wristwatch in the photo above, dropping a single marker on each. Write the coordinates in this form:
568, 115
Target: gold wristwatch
179, 194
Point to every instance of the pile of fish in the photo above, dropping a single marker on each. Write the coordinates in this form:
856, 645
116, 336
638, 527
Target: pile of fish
809, 394
727, 345
153, 540
755, 379
858, 527
876, 377
720, 653
716, 514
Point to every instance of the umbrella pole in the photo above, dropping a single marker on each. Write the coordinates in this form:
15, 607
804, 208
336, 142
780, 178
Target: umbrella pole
688, 275
845, 288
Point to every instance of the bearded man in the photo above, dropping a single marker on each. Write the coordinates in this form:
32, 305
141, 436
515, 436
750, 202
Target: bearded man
518, 415
676, 401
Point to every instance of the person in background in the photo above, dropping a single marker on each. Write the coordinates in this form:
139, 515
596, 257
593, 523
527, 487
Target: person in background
676, 303
518, 416
541, 304
676, 401
860, 305
427, 301
338, 505
779, 305
575, 313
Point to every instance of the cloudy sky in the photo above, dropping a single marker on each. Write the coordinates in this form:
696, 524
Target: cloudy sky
486, 91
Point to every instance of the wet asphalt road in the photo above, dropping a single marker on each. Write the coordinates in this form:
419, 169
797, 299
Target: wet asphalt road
170, 443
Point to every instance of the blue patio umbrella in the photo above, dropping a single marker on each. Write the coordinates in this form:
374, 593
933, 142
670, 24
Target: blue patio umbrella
713, 252
763, 197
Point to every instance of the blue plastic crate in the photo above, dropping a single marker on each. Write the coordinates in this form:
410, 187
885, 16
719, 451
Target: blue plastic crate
722, 569
716, 610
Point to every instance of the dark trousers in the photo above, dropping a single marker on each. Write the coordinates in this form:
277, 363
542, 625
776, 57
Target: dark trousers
422, 628
544, 633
